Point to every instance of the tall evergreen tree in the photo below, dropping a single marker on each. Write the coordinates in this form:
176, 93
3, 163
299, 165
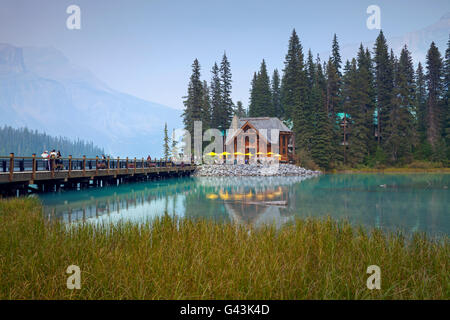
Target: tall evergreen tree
294, 93
399, 129
194, 100
276, 95
166, 149
216, 97
263, 96
383, 82
292, 87
310, 70
240, 111
253, 107
434, 103
227, 102
349, 88
333, 106
446, 116
206, 107
420, 103
336, 55
321, 149
359, 85
174, 146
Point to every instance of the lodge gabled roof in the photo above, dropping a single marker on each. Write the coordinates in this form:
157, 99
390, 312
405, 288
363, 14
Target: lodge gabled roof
267, 123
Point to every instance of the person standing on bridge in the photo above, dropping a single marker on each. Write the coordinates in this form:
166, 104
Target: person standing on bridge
46, 158
52, 160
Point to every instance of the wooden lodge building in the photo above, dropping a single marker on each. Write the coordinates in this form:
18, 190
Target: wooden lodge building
261, 138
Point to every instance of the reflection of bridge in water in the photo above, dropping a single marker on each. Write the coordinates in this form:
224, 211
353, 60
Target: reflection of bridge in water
254, 200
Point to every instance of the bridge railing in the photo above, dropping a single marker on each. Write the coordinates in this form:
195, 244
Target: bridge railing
12, 164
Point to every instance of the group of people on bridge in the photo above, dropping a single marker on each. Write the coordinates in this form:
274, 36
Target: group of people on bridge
56, 155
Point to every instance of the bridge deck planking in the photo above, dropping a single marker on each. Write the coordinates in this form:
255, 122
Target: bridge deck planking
57, 175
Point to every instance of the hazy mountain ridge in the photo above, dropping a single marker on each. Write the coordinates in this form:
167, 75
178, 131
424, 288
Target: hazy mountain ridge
41, 89
418, 41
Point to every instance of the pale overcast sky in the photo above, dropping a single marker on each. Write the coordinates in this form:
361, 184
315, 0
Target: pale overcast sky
146, 48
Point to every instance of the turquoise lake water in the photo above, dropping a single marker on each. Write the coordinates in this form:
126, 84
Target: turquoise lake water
410, 202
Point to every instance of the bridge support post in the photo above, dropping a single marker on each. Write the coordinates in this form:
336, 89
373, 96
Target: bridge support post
11, 166
70, 166
33, 175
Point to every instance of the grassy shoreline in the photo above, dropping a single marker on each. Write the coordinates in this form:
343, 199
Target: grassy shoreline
169, 258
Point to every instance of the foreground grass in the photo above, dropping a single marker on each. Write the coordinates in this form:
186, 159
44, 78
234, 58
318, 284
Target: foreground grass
182, 259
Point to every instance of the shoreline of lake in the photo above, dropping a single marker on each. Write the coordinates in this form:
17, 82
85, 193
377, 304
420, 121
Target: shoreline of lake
390, 170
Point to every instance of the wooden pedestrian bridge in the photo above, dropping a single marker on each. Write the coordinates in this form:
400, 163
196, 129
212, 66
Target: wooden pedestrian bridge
21, 175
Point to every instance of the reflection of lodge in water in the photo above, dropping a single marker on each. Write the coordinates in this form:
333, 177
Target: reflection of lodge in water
255, 205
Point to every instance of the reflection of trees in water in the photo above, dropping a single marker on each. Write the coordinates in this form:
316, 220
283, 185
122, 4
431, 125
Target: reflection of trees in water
85, 204
414, 202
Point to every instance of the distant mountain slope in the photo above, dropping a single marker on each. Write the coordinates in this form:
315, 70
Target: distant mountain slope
41, 89
418, 41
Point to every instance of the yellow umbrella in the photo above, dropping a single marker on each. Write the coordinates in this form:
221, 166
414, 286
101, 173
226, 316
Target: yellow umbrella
269, 153
212, 154
277, 155
249, 154
238, 154
226, 153
259, 153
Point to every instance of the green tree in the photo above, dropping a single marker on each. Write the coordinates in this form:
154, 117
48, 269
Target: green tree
294, 93
333, 107
216, 97
336, 55
226, 87
446, 117
193, 102
434, 104
174, 146
321, 149
240, 111
253, 107
420, 102
293, 76
261, 94
383, 83
399, 130
360, 105
166, 149
206, 107
276, 95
